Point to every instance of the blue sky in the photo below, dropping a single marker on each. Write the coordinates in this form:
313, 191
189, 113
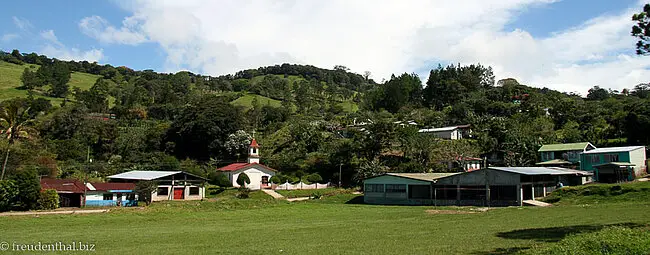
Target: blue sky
535, 41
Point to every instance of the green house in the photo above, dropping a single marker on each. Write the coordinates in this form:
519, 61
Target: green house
615, 164
563, 154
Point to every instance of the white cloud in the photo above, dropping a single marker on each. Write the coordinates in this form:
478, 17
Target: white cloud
54, 48
381, 36
8, 38
99, 28
22, 23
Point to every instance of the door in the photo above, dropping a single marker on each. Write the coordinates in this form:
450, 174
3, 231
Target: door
179, 193
265, 181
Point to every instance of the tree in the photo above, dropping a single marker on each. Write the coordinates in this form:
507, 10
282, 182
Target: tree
369, 169
144, 190
366, 75
598, 93
237, 143
48, 200
29, 189
14, 125
30, 79
314, 178
8, 193
243, 180
642, 30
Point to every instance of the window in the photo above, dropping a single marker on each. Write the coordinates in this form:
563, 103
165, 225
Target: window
378, 188
611, 158
254, 150
108, 196
445, 192
395, 188
194, 191
163, 191
595, 159
265, 180
419, 191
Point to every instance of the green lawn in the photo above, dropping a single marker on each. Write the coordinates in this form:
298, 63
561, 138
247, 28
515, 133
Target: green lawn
329, 226
247, 101
10, 79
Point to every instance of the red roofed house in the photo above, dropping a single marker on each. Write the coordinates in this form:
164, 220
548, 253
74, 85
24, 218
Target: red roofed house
258, 174
70, 192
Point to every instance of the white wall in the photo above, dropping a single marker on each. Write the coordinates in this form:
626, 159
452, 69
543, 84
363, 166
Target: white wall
254, 174
156, 197
638, 158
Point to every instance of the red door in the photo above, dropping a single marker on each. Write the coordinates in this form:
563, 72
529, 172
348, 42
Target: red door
179, 193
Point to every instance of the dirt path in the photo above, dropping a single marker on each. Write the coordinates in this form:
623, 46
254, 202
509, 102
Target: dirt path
54, 212
272, 193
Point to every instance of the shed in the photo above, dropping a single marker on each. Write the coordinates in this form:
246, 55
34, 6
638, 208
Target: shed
171, 185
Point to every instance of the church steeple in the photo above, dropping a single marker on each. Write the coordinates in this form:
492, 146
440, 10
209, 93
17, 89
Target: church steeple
253, 152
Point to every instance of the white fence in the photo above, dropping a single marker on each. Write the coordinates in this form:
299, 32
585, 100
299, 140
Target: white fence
301, 185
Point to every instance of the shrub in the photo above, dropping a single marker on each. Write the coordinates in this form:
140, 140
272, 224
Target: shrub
220, 180
314, 178
243, 193
316, 195
29, 190
611, 240
276, 179
48, 200
144, 190
243, 179
8, 193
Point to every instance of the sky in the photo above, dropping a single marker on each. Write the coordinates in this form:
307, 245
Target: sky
567, 45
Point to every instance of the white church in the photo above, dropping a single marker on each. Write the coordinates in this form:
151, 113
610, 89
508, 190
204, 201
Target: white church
259, 174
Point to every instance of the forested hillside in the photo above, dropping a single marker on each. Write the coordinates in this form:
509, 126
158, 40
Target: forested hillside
305, 118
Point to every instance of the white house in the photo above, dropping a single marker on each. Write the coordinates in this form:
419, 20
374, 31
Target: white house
259, 174
450, 133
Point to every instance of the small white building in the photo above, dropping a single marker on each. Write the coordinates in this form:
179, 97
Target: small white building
259, 174
449, 133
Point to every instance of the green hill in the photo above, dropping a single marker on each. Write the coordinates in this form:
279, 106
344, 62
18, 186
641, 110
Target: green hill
247, 101
10, 79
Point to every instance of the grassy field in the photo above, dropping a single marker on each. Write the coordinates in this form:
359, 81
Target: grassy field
10, 79
332, 225
247, 101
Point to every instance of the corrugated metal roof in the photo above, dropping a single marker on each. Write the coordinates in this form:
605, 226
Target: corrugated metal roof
539, 170
555, 162
614, 149
422, 176
442, 129
564, 147
143, 175
615, 164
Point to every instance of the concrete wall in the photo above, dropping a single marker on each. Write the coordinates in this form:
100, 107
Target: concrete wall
96, 198
638, 158
156, 197
254, 174
479, 178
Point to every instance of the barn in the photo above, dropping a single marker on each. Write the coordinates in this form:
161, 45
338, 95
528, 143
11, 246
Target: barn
493, 186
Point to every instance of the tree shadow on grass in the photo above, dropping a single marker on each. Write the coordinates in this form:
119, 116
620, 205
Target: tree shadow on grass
553, 234
356, 200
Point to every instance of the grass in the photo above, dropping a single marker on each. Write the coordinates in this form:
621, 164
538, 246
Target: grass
247, 101
306, 192
332, 225
10, 79
610, 240
601, 193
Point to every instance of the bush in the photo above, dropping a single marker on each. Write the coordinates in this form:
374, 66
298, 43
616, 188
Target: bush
220, 180
314, 178
144, 190
243, 179
49, 200
611, 240
29, 190
243, 193
8, 193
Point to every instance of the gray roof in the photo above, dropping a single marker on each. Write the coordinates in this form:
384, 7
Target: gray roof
422, 176
143, 175
541, 170
614, 149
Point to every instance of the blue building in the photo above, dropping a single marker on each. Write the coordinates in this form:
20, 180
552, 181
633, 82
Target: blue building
615, 164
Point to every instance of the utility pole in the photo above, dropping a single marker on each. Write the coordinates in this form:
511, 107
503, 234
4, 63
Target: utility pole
340, 166
86, 174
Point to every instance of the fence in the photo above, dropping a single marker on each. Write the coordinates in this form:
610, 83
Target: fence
302, 185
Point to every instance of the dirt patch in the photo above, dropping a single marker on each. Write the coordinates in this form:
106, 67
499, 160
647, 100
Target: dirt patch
449, 212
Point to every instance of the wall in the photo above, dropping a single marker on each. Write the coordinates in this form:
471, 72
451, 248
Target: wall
254, 174
96, 198
156, 197
393, 198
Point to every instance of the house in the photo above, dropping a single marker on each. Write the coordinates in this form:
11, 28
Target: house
258, 174
110, 194
492, 186
70, 191
171, 185
615, 164
566, 154
468, 164
450, 133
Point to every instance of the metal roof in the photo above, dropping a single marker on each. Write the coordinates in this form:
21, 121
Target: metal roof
564, 147
555, 162
422, 176
615, 164
143, 175
614, 149
540, 170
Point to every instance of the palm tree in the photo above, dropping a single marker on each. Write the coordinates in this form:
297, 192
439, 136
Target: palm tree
14, 125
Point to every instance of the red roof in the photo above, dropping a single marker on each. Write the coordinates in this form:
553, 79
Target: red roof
62, 185
238, 166
254, 144
106, 186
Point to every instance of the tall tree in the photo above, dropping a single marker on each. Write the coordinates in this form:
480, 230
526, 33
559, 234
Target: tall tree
14, 124
642, 30
30, 79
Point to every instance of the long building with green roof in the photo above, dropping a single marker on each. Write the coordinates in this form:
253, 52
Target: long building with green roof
563, 154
